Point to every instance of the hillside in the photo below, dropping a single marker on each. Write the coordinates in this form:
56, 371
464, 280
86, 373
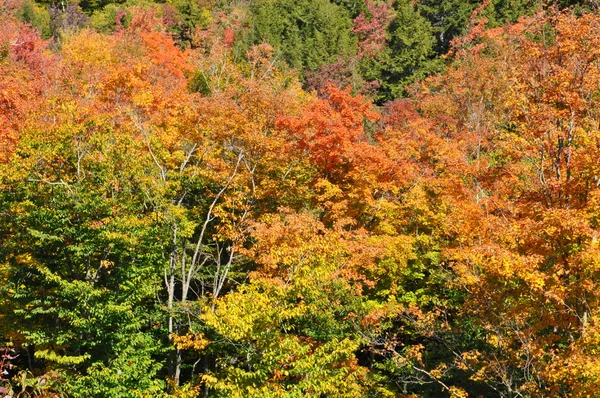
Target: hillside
313, 198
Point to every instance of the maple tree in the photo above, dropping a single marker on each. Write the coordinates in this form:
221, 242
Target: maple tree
516, 201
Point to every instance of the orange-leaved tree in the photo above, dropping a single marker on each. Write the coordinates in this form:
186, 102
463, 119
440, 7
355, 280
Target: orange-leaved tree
517, 118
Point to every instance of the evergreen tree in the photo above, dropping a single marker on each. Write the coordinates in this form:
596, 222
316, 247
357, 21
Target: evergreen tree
305, 33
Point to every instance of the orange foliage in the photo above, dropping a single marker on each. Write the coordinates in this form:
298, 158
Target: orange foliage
506, 140
22, 63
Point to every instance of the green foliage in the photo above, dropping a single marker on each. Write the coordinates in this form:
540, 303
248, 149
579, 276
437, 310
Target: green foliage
132, 373
448, 18
295, 340
409, 55
501, 12
199, 83
37, 16
191, 15
105, 20
79, 259
305, 33
354, 7
93, 5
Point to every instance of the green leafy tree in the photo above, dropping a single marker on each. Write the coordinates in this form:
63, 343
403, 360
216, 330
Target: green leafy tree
37, 16
408, 56
306, 33
448, 18
501, 12
79, 255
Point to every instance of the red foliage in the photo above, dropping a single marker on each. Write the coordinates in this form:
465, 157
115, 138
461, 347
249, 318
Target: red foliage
228, 37
371, 27
329, 128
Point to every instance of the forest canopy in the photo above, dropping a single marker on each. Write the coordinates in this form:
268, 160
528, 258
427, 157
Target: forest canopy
315, 198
